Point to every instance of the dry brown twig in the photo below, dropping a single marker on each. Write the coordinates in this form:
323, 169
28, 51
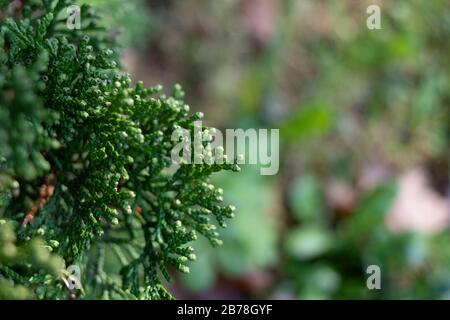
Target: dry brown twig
45, 193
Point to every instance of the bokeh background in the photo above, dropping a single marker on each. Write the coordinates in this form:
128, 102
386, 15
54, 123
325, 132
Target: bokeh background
364, 119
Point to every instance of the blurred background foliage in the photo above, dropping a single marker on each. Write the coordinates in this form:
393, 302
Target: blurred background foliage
364, 121
39, 267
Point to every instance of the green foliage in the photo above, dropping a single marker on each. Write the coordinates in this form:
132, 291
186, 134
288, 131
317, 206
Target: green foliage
89, 155
127, 21
346, 99
329, 261
250, 240
26, 270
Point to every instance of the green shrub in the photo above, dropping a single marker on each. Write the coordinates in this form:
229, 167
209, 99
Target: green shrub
85, 161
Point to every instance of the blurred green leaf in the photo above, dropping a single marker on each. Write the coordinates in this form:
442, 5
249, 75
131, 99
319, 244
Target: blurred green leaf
306, 197
371, 212
4, 3
309, 241
250, 240
319, 282
310, 121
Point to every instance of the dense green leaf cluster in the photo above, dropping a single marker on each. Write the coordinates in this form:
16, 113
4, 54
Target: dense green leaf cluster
89, 155
28, 265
